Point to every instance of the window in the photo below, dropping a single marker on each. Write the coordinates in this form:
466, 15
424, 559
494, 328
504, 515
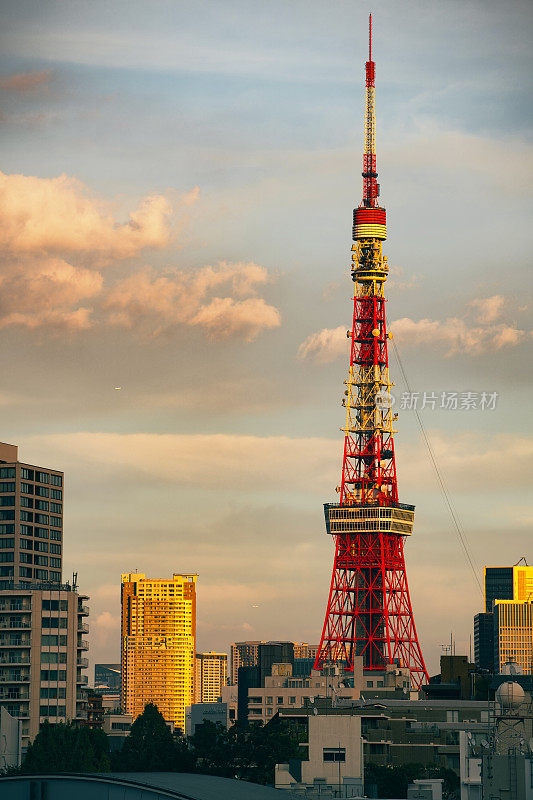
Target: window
55, 577
26, 488
26, 502
26, 474
55, 535
380, 684
7, 487
26, 544
53, 658
42, 505
10, 514
370, 684
41, 574
56, 494
6, 557
7, 543
55, 508
6, 572
42, 477
55, 548
56, 480
25, 558
55, 521
53, 692
41, 546
452, 716
53, 640
41, 560
7, 500
26, 530
42, 533
269, 701
55, 562
42, 518
7, 472
25, 572
54, 622
42, 491
280, 701
292, 700
334, 754
7, 529
26, 516
53, 675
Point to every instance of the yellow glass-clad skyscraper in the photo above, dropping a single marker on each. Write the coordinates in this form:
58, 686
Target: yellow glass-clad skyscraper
158, 644
513, 631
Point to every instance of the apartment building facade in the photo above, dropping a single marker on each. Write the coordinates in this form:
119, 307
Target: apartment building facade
31, 521
158, 644
42, 655
211, 675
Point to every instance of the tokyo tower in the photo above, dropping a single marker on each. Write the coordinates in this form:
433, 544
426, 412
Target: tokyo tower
369, 611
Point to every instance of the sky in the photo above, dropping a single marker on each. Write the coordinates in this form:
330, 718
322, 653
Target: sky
176, 190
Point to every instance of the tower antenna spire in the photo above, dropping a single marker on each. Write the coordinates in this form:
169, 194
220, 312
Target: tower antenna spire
370, 37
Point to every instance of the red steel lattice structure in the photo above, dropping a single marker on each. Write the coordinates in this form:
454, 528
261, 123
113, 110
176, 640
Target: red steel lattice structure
369, 611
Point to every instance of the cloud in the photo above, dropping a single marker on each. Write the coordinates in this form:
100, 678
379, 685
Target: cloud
155, 303
51, 216
457, 335
325, 345
26, 81
58, 239
283, 463
488, 309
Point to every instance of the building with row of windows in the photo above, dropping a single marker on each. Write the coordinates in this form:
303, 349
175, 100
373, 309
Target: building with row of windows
158, 644
43, 621
504, 631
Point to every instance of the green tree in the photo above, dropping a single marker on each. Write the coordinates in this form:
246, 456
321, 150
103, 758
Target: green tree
150, 746
67, 748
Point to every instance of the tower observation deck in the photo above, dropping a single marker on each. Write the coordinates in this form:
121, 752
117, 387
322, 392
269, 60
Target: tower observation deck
369, 610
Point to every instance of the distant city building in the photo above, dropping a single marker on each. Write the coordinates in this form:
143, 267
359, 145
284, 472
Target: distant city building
508, 583
31, 521
504, 631
513, 634
246, 654
303, 650
107, 678
158, 644
484, 640
211, 674
42, 658
243, 654
199, 713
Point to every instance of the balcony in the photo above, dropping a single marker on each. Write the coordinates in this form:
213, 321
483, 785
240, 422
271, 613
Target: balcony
82, 662
83, 627
82, 679
6, 695
23, 660
83, 610
14, 642
6, 608
13, 677
83, 644
12, 625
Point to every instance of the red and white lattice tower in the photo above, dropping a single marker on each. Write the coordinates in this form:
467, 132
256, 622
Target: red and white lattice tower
369, 611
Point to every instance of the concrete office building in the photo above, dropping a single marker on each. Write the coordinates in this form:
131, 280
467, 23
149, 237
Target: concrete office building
211, 674
243, 654
158, 644
31, 521
42, 660
508, 583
